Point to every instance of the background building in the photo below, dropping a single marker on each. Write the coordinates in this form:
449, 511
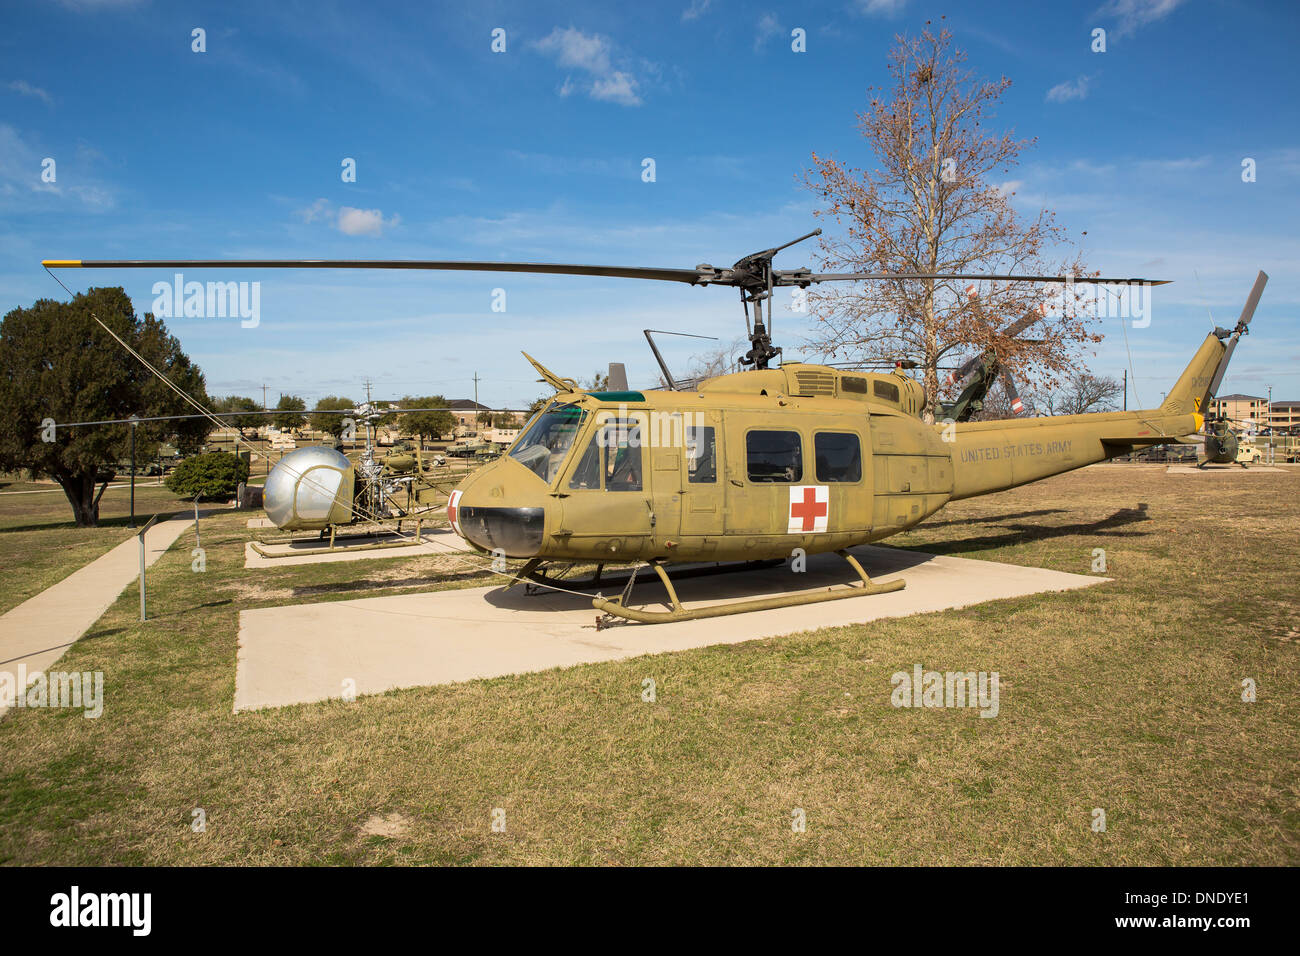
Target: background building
1284, 417
466, 412
1241, 407
1281, 417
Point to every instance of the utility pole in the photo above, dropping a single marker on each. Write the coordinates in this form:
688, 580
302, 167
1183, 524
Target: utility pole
1125, 389
1268, 420
476, 403
132, 524
371, 423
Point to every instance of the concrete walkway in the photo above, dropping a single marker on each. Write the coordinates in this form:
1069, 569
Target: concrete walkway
310, 652
38, 631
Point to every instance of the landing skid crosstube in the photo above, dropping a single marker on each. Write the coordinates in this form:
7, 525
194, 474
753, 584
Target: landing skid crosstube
613, 609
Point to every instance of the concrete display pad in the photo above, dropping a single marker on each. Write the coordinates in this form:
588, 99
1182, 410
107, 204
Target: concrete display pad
303, 653
1223, 470
310, 551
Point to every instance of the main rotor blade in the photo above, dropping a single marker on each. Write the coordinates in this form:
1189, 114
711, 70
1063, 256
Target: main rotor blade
705, 275
853, 276
1011, 331
960, 375
689, 276
1013, 393
1024, 322
259, 411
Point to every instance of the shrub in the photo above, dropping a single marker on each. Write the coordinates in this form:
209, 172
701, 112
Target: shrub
213, 475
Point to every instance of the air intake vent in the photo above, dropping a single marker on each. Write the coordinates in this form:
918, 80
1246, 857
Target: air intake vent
812, 382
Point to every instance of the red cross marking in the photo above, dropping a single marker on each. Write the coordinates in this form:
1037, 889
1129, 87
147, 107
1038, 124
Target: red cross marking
810, 509
451, 509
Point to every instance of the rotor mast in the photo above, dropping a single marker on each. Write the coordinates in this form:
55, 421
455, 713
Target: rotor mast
753, 275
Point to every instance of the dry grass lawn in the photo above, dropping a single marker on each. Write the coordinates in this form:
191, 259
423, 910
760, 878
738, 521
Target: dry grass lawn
1125, 697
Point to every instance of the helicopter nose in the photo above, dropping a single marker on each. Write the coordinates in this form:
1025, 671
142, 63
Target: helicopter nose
515, 532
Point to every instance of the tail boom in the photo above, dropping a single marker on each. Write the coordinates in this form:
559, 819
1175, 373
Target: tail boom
995, 456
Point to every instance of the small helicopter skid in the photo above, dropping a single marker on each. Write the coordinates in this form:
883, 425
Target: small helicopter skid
618, 609
357, 538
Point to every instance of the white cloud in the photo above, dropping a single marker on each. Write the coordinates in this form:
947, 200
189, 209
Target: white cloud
575, 49
363, 222
317, 210
87, 5
1135, 13
881, 8
593, 55
1064, 92
1175, 165
26, 89
1089, 168
618, 87
96, 197
768, 27
348, 220
696, 10
22, 165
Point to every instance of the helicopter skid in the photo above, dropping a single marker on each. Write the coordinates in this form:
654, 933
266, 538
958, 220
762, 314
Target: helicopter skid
534, 572
615, 608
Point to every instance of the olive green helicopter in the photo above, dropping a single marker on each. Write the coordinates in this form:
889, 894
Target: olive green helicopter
745, 468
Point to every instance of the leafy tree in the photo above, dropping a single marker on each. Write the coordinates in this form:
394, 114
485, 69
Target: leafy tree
292, 406
537, 404
722, 360
937, 202
57, 362
1084, 392
215, 474
238, 403
506, 420
428, 425
333, 424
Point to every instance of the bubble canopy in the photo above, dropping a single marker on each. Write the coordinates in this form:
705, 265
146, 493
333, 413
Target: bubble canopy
310, 489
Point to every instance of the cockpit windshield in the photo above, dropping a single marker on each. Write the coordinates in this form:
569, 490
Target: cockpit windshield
543, 446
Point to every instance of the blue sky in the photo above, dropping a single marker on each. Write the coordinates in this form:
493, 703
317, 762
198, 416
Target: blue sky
536, 153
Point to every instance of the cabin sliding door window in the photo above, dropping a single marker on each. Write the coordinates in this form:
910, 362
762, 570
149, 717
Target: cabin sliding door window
838, 456
773, 456
701, 455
